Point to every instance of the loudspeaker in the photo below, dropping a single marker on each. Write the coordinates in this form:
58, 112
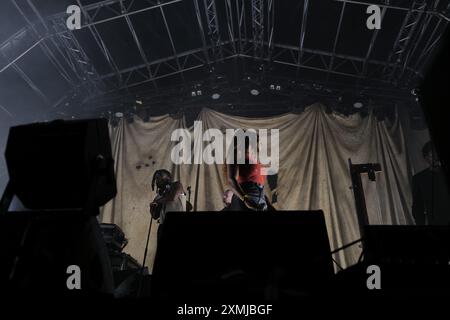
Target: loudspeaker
38, 248
223, 255
434, 97
413, 261
412, 245
61, 164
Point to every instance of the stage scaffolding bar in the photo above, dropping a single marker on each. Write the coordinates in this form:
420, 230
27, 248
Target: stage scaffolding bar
388, 6
429, 45
303, 31
49, 54
240, 11
21, 55
123, 15
137, 42
270, 26
101, 44
230, 25
336, 39
175, 53
32, 85
406, 32
6, 111
202, 31
213, 29
293, 62
258, 28
372, 43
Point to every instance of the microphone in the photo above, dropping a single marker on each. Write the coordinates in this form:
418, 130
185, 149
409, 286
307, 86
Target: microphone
189, 193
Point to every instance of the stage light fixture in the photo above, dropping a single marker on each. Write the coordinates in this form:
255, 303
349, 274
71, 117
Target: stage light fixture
254, 92
358, 105
119, 114
215, 96
414, 91
139, 102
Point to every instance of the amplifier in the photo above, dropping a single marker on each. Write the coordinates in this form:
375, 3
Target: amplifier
114, 237
121, 261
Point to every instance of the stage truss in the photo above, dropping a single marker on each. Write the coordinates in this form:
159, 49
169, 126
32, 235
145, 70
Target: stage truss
402, 68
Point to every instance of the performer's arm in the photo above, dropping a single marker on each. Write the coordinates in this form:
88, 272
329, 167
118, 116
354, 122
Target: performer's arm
155, 208
232, 174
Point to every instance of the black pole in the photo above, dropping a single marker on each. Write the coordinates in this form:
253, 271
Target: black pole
145, 258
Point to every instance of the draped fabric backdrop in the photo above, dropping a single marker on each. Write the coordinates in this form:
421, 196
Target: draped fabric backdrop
314, 150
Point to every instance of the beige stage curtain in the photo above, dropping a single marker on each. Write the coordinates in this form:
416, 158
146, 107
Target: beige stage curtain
313, 174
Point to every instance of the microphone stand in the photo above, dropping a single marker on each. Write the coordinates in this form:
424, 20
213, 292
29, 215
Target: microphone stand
145, 257
189, 196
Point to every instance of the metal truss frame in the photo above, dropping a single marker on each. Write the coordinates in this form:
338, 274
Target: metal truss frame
258, 28
62, 48
75, 57
212, 22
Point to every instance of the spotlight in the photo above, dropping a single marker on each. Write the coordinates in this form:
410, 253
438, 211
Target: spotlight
215, 96
139, 102
193, 94
272, 87
119, 114
254, 92
358, 105
415, 91
278, 88
199, 92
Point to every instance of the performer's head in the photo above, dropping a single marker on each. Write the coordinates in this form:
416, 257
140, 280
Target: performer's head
161, 178
227, 196
429, 153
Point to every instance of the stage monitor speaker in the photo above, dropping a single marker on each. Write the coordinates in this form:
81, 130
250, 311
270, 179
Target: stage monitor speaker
61, 164
407, 244
232, 255
414, 260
